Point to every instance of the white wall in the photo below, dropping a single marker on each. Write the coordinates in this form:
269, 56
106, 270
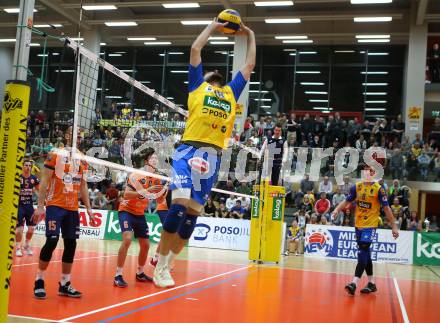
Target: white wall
6, 61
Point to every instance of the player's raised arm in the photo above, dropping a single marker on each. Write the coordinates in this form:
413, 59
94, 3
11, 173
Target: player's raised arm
251, 54
200, 42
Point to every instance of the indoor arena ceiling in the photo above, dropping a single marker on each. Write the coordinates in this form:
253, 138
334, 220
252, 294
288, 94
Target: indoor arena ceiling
323, 22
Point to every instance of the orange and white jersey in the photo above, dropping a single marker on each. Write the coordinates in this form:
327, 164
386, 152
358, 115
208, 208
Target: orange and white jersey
137, 205
64, 184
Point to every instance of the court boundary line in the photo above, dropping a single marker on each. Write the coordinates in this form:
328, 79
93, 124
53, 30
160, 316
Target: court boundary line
30, 318
432, 270
76, 259
401, 303
102, 309
172, 298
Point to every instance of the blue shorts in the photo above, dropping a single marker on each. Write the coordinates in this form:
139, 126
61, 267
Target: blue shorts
162, 215
365, 234
58, 219
25, 213
196, 169
137, 224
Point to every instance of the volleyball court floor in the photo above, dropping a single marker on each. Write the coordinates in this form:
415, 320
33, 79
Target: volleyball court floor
222, 286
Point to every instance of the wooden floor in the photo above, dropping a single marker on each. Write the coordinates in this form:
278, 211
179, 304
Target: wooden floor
222, 286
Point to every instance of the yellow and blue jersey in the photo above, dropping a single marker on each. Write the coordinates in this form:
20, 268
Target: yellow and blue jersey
211, 108
369, 198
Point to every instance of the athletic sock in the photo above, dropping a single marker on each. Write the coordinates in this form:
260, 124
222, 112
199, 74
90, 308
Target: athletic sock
355, 280
40, 274
162, 261
26, 243
118, 271
370, 279
140, 270
65, 278
17, 245
171, 257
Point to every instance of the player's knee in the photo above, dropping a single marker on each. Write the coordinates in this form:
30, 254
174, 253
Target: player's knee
187, 227
48, 248
174, 218
69, 250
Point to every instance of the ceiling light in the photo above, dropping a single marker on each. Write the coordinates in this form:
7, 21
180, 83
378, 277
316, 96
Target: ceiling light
375, 72
370, 1
265, 106
254, 83
15, 10
308, 53
77, 39
375, 93
34, 44
344, 51
157, 43
48, 26
373, 40
195, 22
42, 55
145, 82
374, 84
375, 109
376, 101
65, 71
218, 38
317, 101
320, 108
7, 40
283, 21
316, 92
272, 3
103, 44
298, 41
181, 5
115, 55
222, 43
170, 98
263, 100
289, 50
372, 36
141, 38
185, 82
291, 37
292, 54
99, 7
179, 71
55, 54
127, 71
113, 97
372, 19
312, 83
377, 54
256, 91
176, 53
120, 23
308, 72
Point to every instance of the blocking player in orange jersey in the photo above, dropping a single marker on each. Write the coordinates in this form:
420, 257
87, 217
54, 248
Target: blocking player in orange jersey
62, 184
132, 216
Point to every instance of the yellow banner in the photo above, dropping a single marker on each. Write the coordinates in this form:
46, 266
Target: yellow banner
12, 150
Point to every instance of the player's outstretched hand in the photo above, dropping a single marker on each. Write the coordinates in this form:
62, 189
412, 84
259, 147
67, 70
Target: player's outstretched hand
244, 30
92, 218
395, 233
215, 25
39, 214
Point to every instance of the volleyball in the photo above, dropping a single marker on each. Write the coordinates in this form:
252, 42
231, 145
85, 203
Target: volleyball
233, 19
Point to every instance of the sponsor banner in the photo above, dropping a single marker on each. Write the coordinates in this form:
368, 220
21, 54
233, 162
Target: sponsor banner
221, 233
340, 243
113, 230
427, 248
87, 230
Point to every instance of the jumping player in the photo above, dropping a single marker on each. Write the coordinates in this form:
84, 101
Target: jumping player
29, 184
196, 161
132, 218
62, 183
369, 197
